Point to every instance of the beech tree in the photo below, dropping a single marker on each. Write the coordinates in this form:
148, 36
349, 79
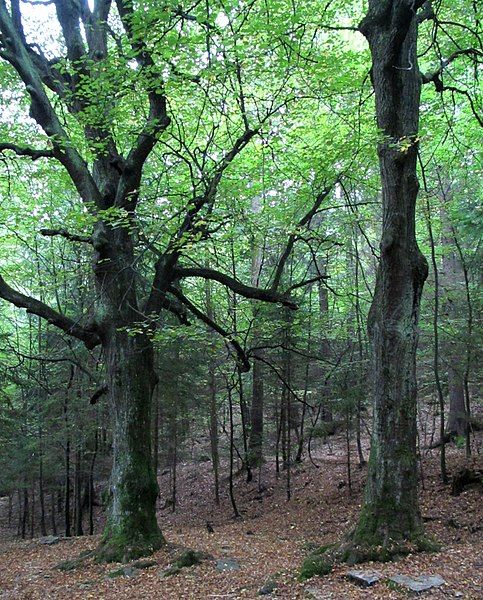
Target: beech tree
390, 521
106, 166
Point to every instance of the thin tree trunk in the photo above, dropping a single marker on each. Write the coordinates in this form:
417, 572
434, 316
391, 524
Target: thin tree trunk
232, 447
78, 494
301, 440
244, 417
10, 508
174, 461
43, 527
439, 387
453, 273
279, 421
67, 515
360, 347
156, 431
215, 458
32, 511
348, 449
52, 513
244, 414
469, 324
91, 483
256, 412
20, 513
289, 436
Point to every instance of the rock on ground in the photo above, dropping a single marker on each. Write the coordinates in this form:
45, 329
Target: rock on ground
418, 584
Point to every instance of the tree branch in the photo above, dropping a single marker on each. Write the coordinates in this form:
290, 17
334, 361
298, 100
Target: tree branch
434, 77
67, 235
247, 291
176, 309
158, 119
36, 307
32, 153
42, 110
243, 361
300, 284
167, 261
304, 221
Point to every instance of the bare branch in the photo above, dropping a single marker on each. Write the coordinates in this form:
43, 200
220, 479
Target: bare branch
36, 307
434, 77
32, 153
243, 361
304, 221
67, 235
338, 28
300, 284
238, 287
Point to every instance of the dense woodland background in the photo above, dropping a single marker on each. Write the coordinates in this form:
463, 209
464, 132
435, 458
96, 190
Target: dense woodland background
299, 202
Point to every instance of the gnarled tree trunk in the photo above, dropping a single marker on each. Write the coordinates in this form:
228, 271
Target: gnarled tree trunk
390, 520
132, 529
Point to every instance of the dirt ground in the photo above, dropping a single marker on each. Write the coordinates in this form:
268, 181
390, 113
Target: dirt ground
268, 542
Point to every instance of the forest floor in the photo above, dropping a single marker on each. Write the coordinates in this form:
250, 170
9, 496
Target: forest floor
268, 542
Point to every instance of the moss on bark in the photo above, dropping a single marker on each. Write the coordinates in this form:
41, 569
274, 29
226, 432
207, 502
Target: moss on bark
132, 530
120, 545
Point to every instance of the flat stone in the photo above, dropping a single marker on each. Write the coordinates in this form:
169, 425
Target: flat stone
49, 540
227, 564
268, 588
364, 578
418, 584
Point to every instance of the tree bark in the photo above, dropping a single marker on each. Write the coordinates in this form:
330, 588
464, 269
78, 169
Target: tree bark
255, 443
256, 415
436, 370
390, 520
78, 494
453, 277
132, 529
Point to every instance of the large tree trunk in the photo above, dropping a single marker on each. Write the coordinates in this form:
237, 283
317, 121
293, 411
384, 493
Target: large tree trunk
132, 529
390, 520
